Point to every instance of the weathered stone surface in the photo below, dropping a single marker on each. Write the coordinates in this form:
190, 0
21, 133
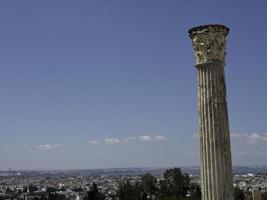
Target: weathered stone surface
209, 42
216, 164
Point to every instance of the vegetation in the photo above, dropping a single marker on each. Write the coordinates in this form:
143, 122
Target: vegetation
94, 194
149, 185
174, 186
264, 196
55, 196
238, 194
195, 192
129, 191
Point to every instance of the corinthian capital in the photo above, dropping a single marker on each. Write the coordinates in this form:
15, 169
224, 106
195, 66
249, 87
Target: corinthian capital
209, 42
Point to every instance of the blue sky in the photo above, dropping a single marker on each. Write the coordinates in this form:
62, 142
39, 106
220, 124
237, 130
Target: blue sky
97, 84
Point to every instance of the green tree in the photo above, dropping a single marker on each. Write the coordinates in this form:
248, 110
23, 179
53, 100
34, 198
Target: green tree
8, 191
175, 184
32, 188
171, 198
77, 189
128, 191
194, 191
55, 196
264, 196
94, 194
51, 189
238, 194
149, 184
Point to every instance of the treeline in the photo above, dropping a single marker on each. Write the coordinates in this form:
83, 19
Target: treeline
173, 186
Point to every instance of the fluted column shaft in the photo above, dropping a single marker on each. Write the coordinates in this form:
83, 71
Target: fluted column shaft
209, 43
216, 165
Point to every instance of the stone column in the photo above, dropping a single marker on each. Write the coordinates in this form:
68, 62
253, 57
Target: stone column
209, 43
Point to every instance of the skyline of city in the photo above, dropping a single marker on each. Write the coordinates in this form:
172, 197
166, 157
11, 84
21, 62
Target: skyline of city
113, 84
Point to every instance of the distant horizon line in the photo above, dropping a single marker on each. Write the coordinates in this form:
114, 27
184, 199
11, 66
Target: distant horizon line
117, 168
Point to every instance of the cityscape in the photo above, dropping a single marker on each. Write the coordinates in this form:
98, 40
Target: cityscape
75, 184
133, 100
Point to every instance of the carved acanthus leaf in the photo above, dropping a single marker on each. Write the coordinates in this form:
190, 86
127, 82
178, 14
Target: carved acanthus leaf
209, 43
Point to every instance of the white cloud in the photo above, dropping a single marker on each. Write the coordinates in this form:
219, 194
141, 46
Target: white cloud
57, 145
94, 142
251, 138
112, 141
128, 139
235, 135
160, 138
255, 137
44, 147
145, 138
47, 147
157, 138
